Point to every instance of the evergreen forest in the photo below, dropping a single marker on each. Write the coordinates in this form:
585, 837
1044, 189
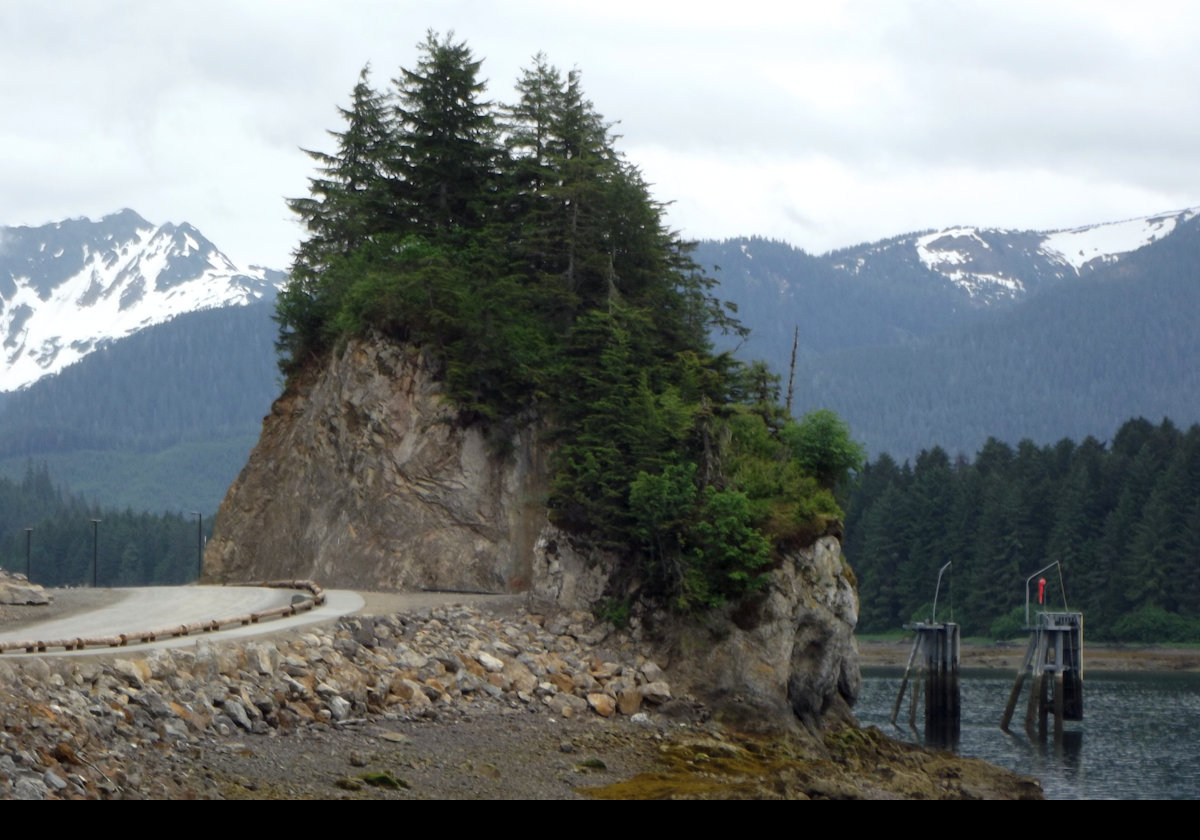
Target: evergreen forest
1121, 518
51, 533
161, 420
516, 247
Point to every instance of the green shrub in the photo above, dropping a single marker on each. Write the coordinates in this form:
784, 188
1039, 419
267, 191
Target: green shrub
1009, 626
1151, 624
822, 445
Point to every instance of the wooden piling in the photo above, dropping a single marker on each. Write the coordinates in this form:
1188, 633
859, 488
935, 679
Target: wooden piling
937, 649
1054, 662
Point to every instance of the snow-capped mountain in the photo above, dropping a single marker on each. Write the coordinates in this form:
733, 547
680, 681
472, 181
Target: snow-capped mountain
70, 287
948, 337
994, 265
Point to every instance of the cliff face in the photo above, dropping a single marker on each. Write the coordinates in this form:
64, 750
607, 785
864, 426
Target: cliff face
791, 648
364, 478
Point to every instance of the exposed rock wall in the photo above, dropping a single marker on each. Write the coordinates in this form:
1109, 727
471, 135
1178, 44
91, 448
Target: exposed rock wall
363, 477
790, 648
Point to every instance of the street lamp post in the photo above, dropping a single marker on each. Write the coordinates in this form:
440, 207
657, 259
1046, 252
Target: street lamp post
95, 551
199, 544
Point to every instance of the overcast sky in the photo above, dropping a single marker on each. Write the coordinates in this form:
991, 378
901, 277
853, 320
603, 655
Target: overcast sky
824, 124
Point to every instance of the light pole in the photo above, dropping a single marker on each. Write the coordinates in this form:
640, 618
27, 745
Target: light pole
28, 538
199, 544
95, 550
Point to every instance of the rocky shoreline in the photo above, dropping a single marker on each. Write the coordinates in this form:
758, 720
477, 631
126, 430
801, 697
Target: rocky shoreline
440, 702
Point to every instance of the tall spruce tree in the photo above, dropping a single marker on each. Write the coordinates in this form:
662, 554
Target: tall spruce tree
450, 149
350, 202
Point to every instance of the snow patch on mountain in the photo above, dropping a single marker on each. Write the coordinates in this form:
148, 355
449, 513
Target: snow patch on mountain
68, 288
948, 247
963, 256
993, 264
1079, 247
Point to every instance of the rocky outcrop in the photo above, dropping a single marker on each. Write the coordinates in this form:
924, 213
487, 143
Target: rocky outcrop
791, 648
16, 589
365, 477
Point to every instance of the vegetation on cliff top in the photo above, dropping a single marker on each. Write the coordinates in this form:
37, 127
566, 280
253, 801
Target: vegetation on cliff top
519, 249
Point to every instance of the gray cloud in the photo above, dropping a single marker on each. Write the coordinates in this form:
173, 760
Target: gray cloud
824, 124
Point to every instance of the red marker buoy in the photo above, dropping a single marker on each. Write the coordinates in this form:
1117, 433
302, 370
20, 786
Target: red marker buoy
1041, 590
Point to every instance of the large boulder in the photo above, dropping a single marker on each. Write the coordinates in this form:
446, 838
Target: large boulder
16, 590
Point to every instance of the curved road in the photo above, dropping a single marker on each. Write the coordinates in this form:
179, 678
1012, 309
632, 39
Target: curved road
156, 607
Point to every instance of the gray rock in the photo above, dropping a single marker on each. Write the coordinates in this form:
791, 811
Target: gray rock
656, 692
651, 671
339, 707
567, 705
134, 671
596, 635
499, 646
173, 730
263, 658
29, 788
237, 712
22, 594
491, 663
406, 657
36, 669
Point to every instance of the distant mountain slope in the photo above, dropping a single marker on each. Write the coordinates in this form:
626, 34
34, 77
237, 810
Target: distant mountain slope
954, 336
70, 287
990, 266
136, 360
778, 287
198, 376
162, 420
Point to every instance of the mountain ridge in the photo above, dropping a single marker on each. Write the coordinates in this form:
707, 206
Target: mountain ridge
68, 288
952, 252
911, 356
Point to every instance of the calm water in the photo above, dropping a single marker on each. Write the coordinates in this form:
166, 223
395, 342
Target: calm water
1139, 738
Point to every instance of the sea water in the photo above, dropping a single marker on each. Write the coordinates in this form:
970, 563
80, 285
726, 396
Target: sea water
1139, 737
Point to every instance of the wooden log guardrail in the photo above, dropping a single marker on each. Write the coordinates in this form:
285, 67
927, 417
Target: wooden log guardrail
315, 598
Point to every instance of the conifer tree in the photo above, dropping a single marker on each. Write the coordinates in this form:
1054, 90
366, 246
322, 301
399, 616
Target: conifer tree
449, 156
349, 203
